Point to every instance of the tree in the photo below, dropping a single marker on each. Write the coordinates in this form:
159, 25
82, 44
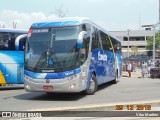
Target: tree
150, 42
2, 26
60, 12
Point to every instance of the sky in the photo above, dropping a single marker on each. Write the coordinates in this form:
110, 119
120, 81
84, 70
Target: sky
112, 15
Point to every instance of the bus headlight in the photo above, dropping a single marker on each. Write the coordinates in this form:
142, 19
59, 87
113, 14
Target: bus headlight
26, 86
74, 77
27, 78
72, 86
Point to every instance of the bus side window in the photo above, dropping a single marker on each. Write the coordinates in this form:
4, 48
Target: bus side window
4, 44
117, 45
85, 47
12, 44
12, 41
95, 39
1, 45
86, 42
106, 42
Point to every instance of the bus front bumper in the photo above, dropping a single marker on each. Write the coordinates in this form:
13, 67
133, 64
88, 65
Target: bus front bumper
69, 84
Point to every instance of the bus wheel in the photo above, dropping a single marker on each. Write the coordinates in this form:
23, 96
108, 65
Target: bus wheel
116, 78
93, 86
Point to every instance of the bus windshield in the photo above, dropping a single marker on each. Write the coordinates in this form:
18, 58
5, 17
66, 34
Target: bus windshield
52, 49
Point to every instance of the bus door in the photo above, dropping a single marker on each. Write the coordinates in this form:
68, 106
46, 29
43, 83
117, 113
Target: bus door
101, 66
107, 65
19, 45
108, 51
111, 64
11, 73
14, 73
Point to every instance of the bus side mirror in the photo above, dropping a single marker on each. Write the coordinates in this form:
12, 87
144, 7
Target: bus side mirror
20, 39
80, 39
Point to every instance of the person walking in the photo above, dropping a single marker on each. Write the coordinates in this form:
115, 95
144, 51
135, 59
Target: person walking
152, 64
143, 69
149, 66
134, 67
157, 64
129, 68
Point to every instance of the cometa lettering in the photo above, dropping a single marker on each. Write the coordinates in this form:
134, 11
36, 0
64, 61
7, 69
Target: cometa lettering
102, 57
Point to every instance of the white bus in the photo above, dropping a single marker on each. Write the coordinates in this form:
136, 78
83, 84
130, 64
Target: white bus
70, 55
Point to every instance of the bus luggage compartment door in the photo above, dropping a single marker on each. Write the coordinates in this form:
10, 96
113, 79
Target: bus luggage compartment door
14, 74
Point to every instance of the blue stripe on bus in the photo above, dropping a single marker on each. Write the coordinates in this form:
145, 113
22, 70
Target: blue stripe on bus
11, 65
12, 57
52, 75
55, 24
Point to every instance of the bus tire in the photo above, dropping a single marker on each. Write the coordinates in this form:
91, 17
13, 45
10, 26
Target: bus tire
93, 86
116, 78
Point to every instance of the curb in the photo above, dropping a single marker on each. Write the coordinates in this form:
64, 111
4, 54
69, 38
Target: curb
101, 107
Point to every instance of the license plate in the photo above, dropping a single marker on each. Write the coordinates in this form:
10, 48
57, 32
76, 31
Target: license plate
48, 87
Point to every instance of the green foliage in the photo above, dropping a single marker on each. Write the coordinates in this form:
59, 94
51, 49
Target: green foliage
150, 42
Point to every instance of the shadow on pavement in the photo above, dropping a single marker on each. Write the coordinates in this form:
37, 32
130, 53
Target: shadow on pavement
13, 87
50, 97
105, 85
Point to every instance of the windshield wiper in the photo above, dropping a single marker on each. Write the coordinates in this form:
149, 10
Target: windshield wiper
45, 57
41, 60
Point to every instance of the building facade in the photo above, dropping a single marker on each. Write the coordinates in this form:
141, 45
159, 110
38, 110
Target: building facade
134, 42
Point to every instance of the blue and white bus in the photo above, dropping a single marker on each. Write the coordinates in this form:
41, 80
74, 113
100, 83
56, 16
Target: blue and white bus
12, 42
70, 55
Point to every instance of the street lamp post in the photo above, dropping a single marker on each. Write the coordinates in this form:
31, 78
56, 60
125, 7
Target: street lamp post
154, 39
159, 11
128, 43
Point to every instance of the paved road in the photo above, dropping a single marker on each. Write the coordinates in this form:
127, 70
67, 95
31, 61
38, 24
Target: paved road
129, 90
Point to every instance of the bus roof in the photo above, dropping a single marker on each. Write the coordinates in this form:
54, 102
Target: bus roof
68, 21
13, 30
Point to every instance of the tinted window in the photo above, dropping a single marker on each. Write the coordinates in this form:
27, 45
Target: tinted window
105, 42
116, 45
7, 40
86, 41
95, 39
